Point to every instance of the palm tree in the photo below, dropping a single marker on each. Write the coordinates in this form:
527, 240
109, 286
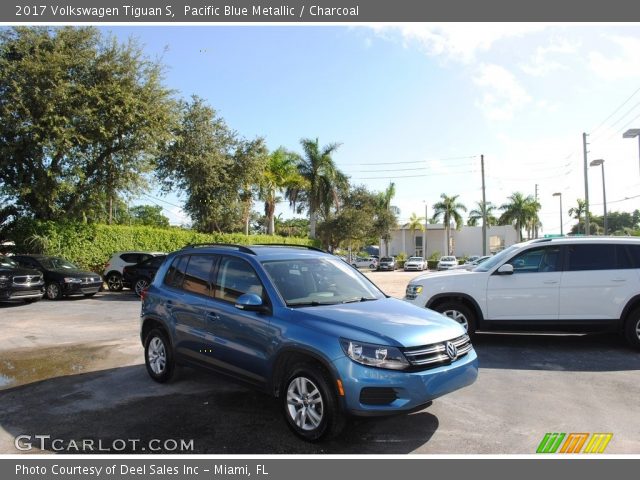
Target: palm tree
416, 223
322, 182
578, 212
477, 214
384, 199
280, 173
449, 209
519, 211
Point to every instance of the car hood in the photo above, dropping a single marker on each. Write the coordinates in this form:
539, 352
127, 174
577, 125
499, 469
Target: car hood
74, 273
414, 262
456, 272
388, 321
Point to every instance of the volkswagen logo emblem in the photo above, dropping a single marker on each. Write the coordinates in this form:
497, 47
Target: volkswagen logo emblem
452, 350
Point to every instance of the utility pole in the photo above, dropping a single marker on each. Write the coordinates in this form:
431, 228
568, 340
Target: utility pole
484, 210
586, 186
535, 227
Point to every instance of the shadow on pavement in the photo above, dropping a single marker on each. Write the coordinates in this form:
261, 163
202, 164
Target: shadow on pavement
220, 417
579, 353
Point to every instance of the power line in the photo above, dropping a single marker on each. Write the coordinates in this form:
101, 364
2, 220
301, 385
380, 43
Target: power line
616, 110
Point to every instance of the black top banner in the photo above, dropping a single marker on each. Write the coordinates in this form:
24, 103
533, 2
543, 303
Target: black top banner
305, 11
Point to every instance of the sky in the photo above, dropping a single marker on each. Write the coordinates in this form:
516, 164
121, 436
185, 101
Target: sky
417, 104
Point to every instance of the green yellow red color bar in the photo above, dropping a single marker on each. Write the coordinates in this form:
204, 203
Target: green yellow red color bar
573, 443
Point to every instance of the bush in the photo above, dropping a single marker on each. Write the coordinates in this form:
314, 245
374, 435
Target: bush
91, 245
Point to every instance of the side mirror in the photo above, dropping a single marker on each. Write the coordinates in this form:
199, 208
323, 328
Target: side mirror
250, 302
506, 269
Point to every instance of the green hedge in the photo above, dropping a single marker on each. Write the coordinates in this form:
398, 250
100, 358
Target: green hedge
91, 245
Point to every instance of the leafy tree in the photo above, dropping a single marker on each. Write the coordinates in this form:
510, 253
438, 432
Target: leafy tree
215, 169
519, 211
577, 212
322, 184
82, 117
150, 215
477, 214
280, 173
448, 208
293, 227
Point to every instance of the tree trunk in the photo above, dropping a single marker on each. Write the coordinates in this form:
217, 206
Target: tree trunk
312, 224
270, 208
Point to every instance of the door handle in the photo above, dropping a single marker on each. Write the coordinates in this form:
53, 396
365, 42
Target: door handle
213, 316
619, 280
551, 282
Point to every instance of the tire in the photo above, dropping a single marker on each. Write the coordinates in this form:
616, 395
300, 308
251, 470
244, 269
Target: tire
372, 266
140, 284
114, 282
53, 291
310, 405
632, 328
158, 356
460, 313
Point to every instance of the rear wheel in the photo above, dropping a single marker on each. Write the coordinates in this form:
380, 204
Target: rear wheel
632, 328
460, 313
158, 356
140, 284
310, 404
114, 282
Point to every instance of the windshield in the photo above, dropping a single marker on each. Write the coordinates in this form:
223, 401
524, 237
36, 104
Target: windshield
7, 262
386, 259
319, 281
448, 259
57, 263
415, 259
496, 259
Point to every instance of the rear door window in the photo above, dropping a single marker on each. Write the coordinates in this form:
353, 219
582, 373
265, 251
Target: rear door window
595, 256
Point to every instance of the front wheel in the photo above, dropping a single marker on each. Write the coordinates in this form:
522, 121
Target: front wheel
53, 291
158, 356
632, 328
460, 313
310, 404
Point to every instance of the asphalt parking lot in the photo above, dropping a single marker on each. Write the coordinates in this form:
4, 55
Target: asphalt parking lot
74, 370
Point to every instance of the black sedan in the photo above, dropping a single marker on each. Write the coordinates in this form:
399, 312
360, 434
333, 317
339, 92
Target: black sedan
19, 283
62, 278
139, 276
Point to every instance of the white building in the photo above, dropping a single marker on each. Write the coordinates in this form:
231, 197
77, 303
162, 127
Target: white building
465, 242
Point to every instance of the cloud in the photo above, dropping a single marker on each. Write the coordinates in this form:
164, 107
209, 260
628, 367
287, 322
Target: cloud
625, 65
540, 63
456, 41
503, 94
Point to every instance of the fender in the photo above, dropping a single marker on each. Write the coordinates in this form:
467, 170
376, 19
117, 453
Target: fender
469, 298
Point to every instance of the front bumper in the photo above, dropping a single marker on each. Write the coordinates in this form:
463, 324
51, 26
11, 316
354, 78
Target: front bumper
81, 288
412, 389
22, 292
417, 268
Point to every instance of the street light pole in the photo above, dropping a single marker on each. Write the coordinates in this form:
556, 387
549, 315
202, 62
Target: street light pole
595, 163
631, 133
586, 186
559, 194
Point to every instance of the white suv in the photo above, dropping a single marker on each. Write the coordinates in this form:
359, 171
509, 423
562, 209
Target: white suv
568, 284
117, 262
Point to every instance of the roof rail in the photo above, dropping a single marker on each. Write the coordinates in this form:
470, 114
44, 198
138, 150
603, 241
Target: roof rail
241, 248
541, 240
292, 245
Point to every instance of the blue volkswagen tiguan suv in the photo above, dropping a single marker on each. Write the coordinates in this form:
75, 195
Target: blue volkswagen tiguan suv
304, 326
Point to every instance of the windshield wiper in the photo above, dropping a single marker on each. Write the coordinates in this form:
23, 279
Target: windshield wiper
359, 299
310, 304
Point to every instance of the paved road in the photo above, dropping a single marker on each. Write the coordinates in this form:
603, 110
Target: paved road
95, 387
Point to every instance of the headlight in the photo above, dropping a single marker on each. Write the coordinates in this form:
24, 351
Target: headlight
374, 355
413, 290
4, 279
72, 280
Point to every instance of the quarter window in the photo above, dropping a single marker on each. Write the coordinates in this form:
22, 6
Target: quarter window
175, 273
